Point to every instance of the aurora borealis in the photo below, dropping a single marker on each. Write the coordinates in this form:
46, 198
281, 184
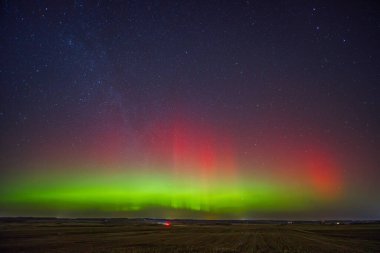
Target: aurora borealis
193, 109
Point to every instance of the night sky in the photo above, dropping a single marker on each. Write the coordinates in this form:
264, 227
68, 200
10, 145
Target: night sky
190, 109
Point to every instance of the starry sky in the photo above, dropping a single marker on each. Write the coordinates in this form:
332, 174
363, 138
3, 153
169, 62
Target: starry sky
190, 109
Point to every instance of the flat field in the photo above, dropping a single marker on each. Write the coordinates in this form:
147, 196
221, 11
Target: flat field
140, 236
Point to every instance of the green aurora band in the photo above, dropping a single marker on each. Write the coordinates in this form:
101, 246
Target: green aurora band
132, 192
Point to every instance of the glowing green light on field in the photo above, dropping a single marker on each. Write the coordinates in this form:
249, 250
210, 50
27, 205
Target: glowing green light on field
138, 191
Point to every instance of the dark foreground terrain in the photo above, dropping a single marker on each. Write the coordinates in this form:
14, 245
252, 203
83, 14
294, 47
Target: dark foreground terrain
38, 235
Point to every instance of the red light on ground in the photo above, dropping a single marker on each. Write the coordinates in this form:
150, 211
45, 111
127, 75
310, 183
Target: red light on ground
167, 224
